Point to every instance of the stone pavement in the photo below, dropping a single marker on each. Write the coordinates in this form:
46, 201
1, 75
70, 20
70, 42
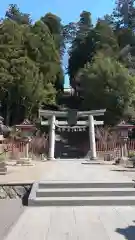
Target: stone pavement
24, 174
78, 223
65, 170
75, 171
10, 211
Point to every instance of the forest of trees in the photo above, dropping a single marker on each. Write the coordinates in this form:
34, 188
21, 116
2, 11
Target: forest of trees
31, 72
101, 63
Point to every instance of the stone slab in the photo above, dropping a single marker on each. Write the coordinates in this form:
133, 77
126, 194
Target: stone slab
24, 174
75, 171
10, 211
83, 201
75, 223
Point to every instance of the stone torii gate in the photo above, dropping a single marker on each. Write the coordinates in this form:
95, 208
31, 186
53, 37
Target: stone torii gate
52, 116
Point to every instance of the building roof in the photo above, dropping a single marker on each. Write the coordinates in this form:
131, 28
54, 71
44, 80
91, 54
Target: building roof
123, 124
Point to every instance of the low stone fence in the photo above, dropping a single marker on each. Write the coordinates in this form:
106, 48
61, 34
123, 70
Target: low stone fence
15, 191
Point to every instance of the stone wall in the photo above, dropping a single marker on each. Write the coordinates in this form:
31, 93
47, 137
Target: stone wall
14, 191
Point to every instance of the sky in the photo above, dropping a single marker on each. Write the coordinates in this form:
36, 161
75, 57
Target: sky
68, 11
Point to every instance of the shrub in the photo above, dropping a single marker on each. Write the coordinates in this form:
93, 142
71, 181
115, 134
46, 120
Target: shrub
131, 154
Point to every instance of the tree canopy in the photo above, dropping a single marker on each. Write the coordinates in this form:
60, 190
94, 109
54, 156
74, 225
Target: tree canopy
101, 64
106, 84
31, 73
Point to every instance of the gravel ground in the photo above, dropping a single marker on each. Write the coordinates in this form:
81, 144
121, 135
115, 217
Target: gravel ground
10, 211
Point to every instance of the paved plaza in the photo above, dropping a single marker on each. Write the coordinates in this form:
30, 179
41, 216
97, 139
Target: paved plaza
75, 170
10, 211
77, 223
24, 174
66, 170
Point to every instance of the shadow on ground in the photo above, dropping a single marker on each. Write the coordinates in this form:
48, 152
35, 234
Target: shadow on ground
123, 170
128, 232
91, 163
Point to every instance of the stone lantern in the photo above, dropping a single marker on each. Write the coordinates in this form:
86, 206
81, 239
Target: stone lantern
123, 129
26, 128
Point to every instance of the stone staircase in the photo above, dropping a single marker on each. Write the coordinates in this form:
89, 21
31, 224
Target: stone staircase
62, 193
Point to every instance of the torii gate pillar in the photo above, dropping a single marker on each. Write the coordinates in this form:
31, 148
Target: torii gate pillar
52, 138
93, 154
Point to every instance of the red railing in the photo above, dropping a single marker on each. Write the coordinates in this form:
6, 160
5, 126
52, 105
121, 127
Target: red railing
110, 146
11, 146
14, 148
100, 146
131, 145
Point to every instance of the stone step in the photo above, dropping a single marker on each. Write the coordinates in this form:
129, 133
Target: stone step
67, 184
83, 201
85, 192
3, 170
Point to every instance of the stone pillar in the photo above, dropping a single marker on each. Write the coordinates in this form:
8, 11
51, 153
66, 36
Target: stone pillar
27, 150
92, 138
125, 149
52, 138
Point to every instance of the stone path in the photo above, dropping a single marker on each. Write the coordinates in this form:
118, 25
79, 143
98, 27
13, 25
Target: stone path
77, 223
60, 170
24, 174
10, 211
75, 171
